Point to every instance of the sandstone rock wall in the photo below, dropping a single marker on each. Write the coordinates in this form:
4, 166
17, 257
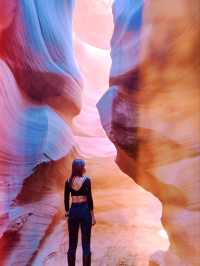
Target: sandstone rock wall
151, 113
40, 90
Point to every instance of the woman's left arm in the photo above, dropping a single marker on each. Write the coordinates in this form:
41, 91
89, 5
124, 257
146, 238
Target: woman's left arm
90, 202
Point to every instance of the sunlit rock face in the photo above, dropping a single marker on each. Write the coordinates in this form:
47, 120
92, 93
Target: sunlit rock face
95, 25
40, 93
30, 133
151, 113
40, 88
37, 46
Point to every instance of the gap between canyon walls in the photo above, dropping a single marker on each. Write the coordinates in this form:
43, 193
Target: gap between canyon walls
123, 209
127, 231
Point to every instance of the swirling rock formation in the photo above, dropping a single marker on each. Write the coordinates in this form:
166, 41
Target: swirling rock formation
40, 89
40, 94
151, 113
37, 46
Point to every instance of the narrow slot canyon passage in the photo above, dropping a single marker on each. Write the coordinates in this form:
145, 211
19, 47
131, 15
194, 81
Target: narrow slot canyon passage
115, 83
128, 228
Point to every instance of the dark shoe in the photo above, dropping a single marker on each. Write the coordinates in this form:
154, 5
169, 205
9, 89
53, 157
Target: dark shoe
71, 260
87, 260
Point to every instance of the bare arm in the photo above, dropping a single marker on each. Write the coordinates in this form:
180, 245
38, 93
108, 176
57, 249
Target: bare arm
66, 196
90, 202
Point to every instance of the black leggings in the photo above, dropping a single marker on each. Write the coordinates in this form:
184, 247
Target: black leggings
79, 215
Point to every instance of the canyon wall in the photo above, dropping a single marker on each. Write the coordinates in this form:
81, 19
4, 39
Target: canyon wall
40, 89
151, 113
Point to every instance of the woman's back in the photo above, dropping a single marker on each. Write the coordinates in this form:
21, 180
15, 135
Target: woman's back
79, 186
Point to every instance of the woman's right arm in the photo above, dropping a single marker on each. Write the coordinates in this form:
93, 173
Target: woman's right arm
66, 197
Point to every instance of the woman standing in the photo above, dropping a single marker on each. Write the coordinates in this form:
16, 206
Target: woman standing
80, 213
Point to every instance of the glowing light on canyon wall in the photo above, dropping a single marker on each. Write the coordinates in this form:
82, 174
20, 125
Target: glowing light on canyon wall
116, 83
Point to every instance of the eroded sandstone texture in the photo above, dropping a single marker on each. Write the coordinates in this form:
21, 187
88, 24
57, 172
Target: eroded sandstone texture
151, 113
40, 93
